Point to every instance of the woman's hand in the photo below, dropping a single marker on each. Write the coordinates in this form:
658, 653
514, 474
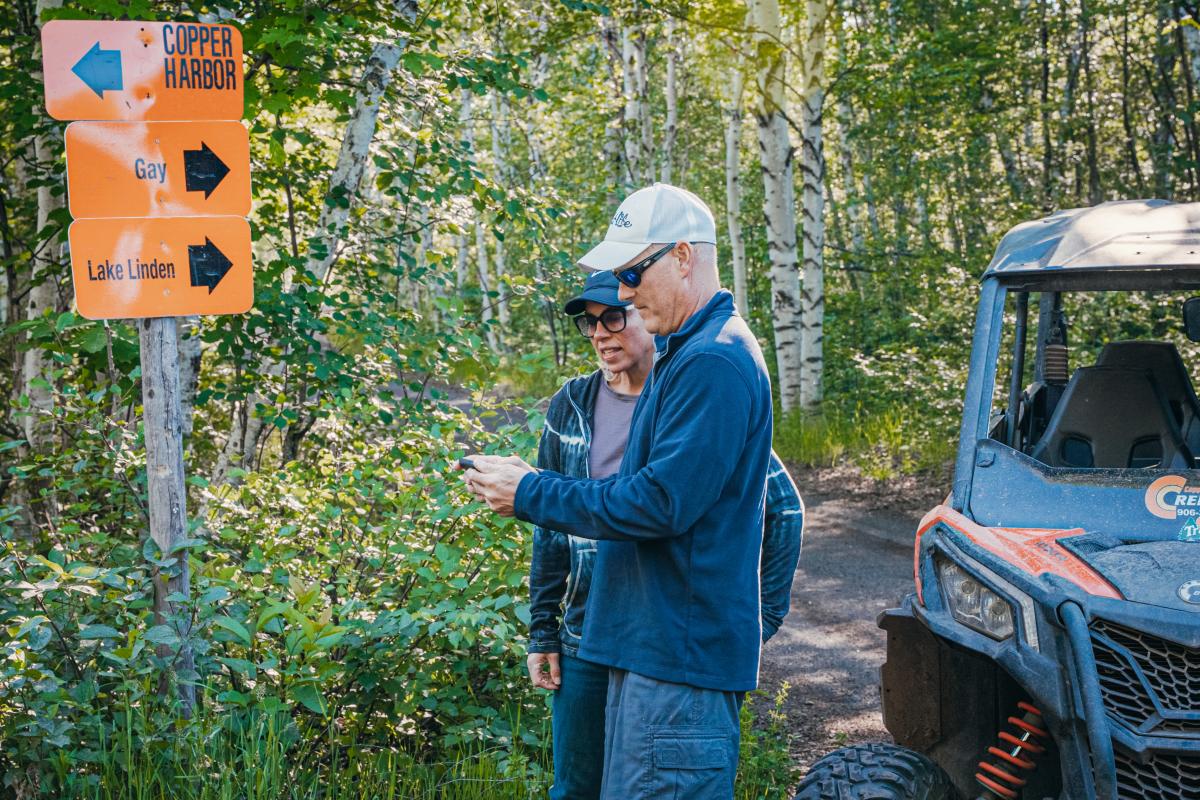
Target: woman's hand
544, 670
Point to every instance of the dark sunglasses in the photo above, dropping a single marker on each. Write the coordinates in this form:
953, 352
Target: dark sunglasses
631, 276
613, 320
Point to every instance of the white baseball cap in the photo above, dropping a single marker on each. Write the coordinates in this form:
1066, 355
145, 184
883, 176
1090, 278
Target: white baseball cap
657, 214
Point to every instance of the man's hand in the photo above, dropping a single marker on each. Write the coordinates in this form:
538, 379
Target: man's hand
544, 670
494, 480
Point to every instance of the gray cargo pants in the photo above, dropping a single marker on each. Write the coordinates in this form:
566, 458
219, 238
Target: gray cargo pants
667, 741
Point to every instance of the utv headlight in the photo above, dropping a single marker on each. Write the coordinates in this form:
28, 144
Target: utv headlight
972, 603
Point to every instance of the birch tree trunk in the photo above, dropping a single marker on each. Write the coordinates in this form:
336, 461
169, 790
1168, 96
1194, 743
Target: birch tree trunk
1191, 135
37, 383
644, 123
614, 124
672, 103
1191, 40
733, 187
812, 167
631, 129
187, 343
779, 197
487, 302
1163, 140
500, 146
1008, 158
462, 266
7, 284
243, 441
485, 286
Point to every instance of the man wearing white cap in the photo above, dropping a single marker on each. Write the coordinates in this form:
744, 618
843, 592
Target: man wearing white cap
674, 604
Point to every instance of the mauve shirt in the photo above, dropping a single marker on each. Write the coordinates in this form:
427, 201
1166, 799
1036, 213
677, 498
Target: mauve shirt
610, 430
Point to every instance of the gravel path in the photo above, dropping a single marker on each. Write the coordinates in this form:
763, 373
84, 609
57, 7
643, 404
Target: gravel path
856, 561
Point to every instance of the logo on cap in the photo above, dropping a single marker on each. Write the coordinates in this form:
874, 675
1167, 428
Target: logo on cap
621, 220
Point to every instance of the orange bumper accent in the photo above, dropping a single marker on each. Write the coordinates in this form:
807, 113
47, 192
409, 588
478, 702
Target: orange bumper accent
1034, 550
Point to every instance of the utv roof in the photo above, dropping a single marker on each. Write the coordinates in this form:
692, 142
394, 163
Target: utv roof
1138, 235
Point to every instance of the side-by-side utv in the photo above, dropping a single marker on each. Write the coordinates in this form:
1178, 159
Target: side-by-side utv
1051, 648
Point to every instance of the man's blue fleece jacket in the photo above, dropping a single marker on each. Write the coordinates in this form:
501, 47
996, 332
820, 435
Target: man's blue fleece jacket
675, 589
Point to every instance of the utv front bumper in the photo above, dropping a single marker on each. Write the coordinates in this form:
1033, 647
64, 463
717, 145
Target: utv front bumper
1117, 683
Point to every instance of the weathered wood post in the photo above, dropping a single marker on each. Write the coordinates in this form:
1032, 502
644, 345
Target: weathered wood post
166, 496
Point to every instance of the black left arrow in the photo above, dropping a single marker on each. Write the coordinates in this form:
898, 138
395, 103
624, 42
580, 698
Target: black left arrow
208, 264
203, 170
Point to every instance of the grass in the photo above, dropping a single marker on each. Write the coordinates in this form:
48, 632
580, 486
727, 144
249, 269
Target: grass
883, 444
265, 757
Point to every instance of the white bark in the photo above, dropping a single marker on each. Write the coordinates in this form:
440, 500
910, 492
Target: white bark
485, 285
462, 258
779, 197
352, 159
631, 129
36, 379
614, 121
812, 167
423, 249
644, 122
1191, 40
672, 103
462, 265
500, 146
187, 342
733, 188
6, 250
481, 251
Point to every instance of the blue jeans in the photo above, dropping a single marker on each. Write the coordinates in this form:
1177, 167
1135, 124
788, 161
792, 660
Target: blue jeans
578, 733
668, 741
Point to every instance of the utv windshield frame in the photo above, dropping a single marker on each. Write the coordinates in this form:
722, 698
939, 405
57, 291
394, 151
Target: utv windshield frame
985, 364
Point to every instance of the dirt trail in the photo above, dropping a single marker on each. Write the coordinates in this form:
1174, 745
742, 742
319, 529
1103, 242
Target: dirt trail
856, 561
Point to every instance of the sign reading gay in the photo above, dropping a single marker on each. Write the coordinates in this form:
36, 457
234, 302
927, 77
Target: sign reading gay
157, 169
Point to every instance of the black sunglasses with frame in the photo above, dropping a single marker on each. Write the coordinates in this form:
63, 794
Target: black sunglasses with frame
612, 318
631, 276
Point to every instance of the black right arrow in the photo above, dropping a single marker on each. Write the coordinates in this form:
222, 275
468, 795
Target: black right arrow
203, 170
208, 264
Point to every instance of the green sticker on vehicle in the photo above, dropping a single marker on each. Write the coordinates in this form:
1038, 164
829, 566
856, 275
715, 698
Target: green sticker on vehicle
1190, 532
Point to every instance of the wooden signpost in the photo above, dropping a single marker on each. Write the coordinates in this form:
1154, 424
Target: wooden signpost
159, 202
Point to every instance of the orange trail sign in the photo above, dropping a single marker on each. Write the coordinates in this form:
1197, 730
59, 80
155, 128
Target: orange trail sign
163, 267
157, 169
142, 70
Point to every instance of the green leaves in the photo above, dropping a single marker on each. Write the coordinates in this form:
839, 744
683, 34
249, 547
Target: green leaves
99, 632
234, 627
310, 697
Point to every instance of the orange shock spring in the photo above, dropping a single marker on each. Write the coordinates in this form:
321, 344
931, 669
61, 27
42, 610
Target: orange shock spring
1000, 775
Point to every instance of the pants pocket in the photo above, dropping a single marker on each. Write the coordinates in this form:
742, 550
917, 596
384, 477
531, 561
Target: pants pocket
690, 765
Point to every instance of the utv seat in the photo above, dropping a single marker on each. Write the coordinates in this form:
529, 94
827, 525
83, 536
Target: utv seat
1113, 417
1165, 365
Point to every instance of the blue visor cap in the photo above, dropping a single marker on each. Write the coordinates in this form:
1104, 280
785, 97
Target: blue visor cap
601, 287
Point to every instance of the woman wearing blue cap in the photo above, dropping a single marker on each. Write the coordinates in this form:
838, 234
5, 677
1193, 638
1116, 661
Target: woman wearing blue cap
586, 429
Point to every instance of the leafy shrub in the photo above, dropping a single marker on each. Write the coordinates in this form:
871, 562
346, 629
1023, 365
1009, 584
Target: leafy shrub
358, 597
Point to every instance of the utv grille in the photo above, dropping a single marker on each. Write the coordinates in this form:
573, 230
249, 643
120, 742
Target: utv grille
1161, 778
1169, 672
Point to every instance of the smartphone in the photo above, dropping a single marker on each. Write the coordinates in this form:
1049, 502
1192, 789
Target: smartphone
466, 463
